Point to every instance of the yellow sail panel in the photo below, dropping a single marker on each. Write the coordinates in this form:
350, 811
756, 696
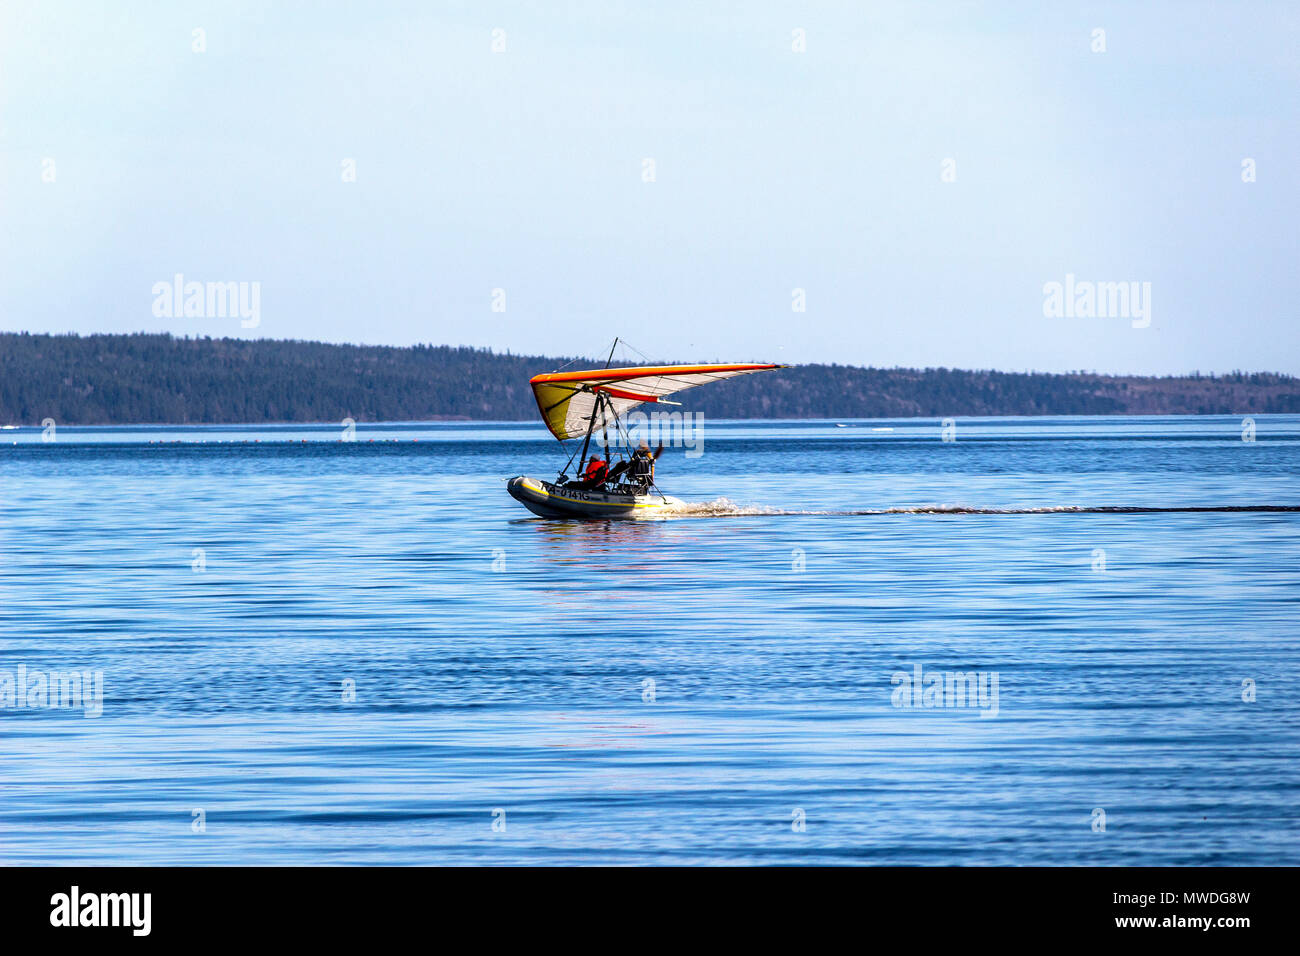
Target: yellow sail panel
567, 400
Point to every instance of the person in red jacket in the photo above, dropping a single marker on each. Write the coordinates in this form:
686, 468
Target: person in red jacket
595, 474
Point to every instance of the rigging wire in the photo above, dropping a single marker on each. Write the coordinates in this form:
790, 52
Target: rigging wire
645, 358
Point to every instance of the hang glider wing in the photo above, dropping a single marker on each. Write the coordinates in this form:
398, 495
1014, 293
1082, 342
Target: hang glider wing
568, 399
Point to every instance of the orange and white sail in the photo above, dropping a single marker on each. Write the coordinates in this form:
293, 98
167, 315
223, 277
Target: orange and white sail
567, 400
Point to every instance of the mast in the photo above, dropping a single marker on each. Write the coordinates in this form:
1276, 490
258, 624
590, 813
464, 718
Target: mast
590, 426
604, 423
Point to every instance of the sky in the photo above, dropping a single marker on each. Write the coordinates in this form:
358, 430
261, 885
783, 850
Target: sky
868, 183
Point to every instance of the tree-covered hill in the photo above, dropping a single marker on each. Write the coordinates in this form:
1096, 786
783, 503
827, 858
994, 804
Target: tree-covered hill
145, 378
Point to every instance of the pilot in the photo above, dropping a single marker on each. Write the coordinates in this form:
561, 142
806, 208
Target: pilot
641, 470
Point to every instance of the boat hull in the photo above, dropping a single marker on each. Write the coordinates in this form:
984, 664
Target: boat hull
549, 500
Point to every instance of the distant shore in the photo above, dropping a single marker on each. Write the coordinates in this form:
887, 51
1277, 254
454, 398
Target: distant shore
161, 379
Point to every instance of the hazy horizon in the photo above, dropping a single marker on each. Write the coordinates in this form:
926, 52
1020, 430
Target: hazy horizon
913, 176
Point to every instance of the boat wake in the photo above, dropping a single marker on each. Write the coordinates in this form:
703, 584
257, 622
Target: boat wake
726, 508
720, 508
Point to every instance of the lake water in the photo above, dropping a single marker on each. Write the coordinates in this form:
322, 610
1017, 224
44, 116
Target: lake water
318, 651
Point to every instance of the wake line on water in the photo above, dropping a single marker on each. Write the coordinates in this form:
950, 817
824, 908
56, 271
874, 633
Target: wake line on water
725, 508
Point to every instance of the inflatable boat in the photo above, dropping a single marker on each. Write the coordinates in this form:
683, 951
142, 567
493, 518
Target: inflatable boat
559, 500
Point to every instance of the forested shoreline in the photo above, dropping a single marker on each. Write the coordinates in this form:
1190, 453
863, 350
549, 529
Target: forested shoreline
162, 379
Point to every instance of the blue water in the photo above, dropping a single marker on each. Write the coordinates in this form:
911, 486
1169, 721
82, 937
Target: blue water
501, 663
